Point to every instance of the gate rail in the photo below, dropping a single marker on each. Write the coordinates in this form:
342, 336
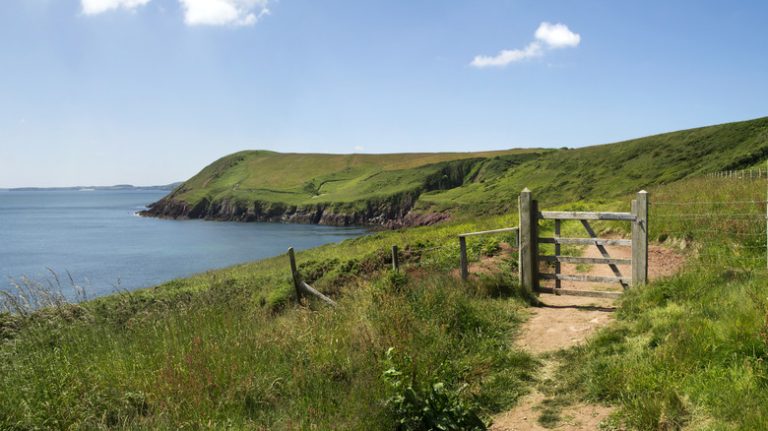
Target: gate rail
530, 276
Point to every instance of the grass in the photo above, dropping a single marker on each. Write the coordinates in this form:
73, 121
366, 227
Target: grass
688, 352
309, 179
223, 349
221, 361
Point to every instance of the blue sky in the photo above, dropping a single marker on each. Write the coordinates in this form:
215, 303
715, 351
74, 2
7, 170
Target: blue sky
150, 91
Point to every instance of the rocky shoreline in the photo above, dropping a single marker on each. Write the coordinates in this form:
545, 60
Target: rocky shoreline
391, 212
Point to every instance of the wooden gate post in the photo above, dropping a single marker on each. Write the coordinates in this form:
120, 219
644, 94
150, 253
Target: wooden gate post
528, 246
640, 239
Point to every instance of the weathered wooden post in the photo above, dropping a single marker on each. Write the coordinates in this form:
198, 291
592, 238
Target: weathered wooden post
395, 260
528, 246
463, 257
640, 239
558, 283
295, 274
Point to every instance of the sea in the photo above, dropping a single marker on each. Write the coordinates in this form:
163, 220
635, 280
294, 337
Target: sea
97, 238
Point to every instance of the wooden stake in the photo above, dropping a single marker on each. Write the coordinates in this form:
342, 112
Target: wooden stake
395, 260
295, 274
558, 283
463, 258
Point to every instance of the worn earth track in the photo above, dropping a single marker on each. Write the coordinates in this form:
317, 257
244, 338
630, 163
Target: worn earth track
563, 322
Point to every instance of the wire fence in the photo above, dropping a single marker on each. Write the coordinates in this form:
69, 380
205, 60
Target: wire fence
460, 253
742, 174
722, 217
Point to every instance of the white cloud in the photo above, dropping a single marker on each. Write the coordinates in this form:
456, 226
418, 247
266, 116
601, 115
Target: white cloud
548, 36
557, 35
359, 148
224, 12
507, 56
94, 7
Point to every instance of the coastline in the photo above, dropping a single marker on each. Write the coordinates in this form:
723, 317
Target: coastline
389, 213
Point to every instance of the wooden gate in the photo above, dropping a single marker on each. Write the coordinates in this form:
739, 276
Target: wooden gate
530, 276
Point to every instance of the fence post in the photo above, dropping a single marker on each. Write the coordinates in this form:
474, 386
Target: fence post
528, 249
640, 239
395, 260
558, 283
295, 274
464, 261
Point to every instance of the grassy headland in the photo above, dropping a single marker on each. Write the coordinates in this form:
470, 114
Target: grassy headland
323, 188
411, 189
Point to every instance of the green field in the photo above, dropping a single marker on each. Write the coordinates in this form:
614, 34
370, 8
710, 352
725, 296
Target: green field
229, 349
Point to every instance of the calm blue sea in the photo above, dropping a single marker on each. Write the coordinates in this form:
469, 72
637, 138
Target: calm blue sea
96, 236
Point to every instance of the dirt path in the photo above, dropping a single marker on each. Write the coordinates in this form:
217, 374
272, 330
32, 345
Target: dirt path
525, 417
565, 321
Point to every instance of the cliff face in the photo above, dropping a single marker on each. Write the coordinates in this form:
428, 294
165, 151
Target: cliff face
392, 211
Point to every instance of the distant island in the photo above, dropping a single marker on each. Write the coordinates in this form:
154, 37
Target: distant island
168, 187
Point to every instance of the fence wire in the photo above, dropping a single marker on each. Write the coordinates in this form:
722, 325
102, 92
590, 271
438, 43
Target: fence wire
722, 216
447, 256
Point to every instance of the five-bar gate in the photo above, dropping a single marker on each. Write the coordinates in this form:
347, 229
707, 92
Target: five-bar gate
530, 276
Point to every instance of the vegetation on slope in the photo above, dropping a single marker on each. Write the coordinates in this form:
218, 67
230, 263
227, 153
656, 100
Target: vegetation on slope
688, 352
609, 171
382, 189
322, 188
224, 349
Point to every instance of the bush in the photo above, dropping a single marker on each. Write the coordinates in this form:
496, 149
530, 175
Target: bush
427, 406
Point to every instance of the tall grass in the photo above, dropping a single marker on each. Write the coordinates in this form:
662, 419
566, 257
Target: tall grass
225, 349
690, 351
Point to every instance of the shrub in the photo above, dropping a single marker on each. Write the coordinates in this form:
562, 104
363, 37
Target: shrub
427, 406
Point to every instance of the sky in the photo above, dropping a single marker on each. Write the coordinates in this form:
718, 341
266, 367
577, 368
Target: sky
101, 92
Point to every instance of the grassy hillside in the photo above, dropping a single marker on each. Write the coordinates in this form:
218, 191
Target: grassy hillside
312, 178
608, 171
376, 189
322, 188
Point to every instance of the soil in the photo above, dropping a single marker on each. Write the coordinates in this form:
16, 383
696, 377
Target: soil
564, 321
575, 417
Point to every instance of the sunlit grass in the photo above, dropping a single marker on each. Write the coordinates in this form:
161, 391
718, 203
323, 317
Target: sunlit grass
225, 349
688, 352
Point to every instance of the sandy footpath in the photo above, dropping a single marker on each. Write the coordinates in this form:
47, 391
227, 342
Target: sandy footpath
565, 321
